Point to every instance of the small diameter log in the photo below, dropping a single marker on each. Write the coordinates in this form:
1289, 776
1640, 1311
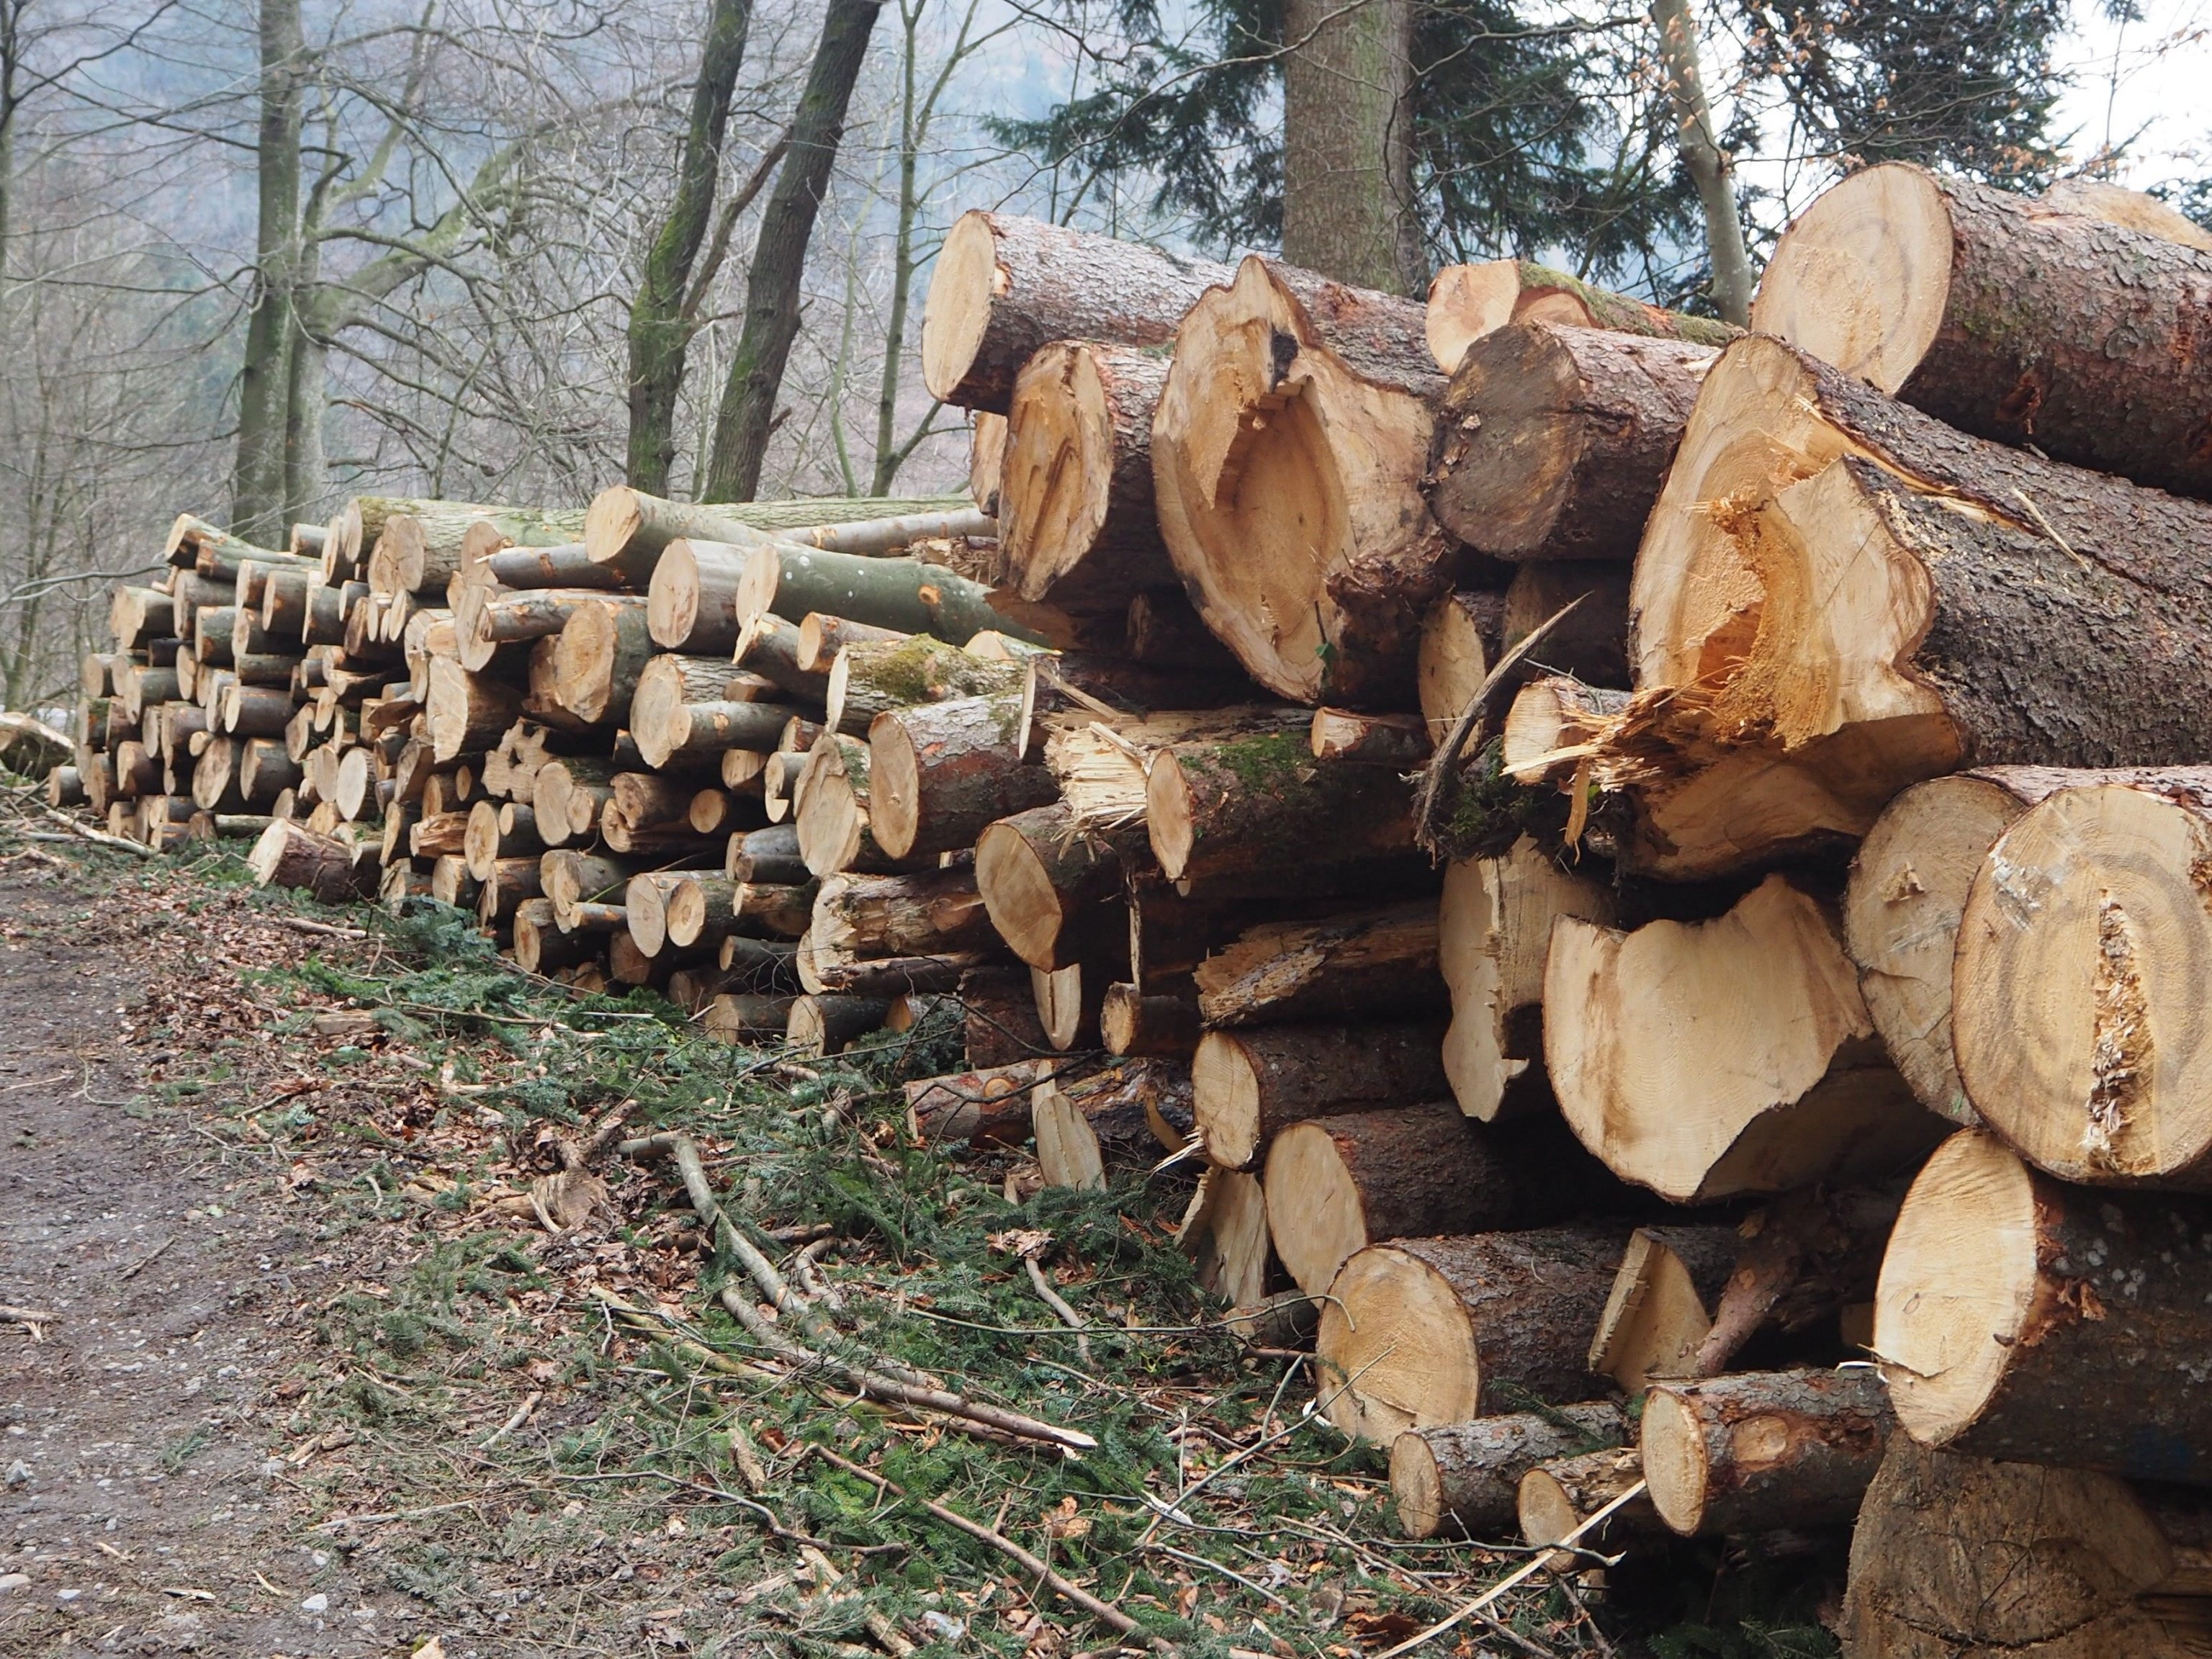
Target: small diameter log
554, 564
1045, 883
1999, 317
759, 964
137, 615
1857, 618
907, 595
832, 809
1467, 303
1702, 1058
2077, 1015
1551, 442
2019, 1318
1224, 1232
511, 882
742, 1016
1080, 1124
598, 657
1493, 935
1557, 1497
440, 834
498, 830
1250, 1086
1463, 1479
1764, 1451
984, 1106
869, 678
466, 713
1339, 1183
288, 855
933, 913
769, 646
701, 909
1076, 520
1590, 645
2009, 1559
1380, 961
830, 1024
1068, 1000
1309, 551
999, 1021
255, 711
1132, 1021
1552, 727
570, 793
1809, 1256
630, 529
1265, 803
678, 706
571, 878
821, 636
1394, 740
1426, 1331
541, 947
487, 619
692, 604
645, 906
940, 773
65, 786
986, 454
767, 855
1003, 288
1659, 1313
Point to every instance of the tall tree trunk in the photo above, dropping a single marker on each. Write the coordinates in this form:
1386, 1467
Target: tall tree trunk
889, 456
1711, 169
1348, 143
258, 481
659, 331
307, 352
747, 414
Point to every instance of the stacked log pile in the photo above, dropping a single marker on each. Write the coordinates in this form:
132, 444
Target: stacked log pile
1657, 874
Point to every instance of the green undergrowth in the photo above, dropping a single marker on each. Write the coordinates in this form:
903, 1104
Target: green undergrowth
1217, 1509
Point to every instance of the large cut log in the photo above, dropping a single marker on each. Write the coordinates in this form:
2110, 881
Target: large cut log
1668, 1279
1493, 935
692, 604
288, 855
741, 1017
1954, 1557
1287, 455
1046, 883
1838, 596
2019, 1318
2077, 1016
2003, 318
1338, 1183
1467, 303
1463, 1479
1076, 521
1764, 1451
1380, 961
1426, 1331
1004, 288
598, 657
1702, 1058
872, 677
1551, 442
1250, 1086
466, 713
940, 773
1264, 802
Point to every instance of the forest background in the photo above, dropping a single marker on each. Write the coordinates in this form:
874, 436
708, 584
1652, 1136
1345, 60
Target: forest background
255, 257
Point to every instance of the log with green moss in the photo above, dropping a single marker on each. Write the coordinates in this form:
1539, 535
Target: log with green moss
1265, 803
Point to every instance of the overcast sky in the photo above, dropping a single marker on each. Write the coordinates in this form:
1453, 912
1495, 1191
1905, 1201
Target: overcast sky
2145, 85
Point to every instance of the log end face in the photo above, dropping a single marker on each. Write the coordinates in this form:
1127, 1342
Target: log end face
1862, 277
1058, 467
1226, 1094
1396, 1348
614, 516
1508, 440
1466, 304
894, 786
1416, 1487
1018, 895
1170, 815
672, 601
2078, 1016
1315, 1210
1957, 1286
1675, 1465
956, 314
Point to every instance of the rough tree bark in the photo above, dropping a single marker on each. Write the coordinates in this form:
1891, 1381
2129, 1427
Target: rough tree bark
1348, 143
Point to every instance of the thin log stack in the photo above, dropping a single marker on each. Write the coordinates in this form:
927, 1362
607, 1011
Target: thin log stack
1651, 870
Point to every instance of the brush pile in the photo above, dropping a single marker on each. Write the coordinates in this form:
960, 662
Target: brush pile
1576, 818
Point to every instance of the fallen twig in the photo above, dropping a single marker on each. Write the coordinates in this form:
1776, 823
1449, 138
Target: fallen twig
1105, 1612
320, 929
1053, 1300
909, 1389
1519, 1576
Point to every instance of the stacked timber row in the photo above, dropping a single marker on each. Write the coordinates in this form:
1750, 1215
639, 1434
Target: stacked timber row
1736, 1072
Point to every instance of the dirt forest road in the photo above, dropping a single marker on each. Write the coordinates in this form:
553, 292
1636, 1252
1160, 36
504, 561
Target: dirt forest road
145, 1510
